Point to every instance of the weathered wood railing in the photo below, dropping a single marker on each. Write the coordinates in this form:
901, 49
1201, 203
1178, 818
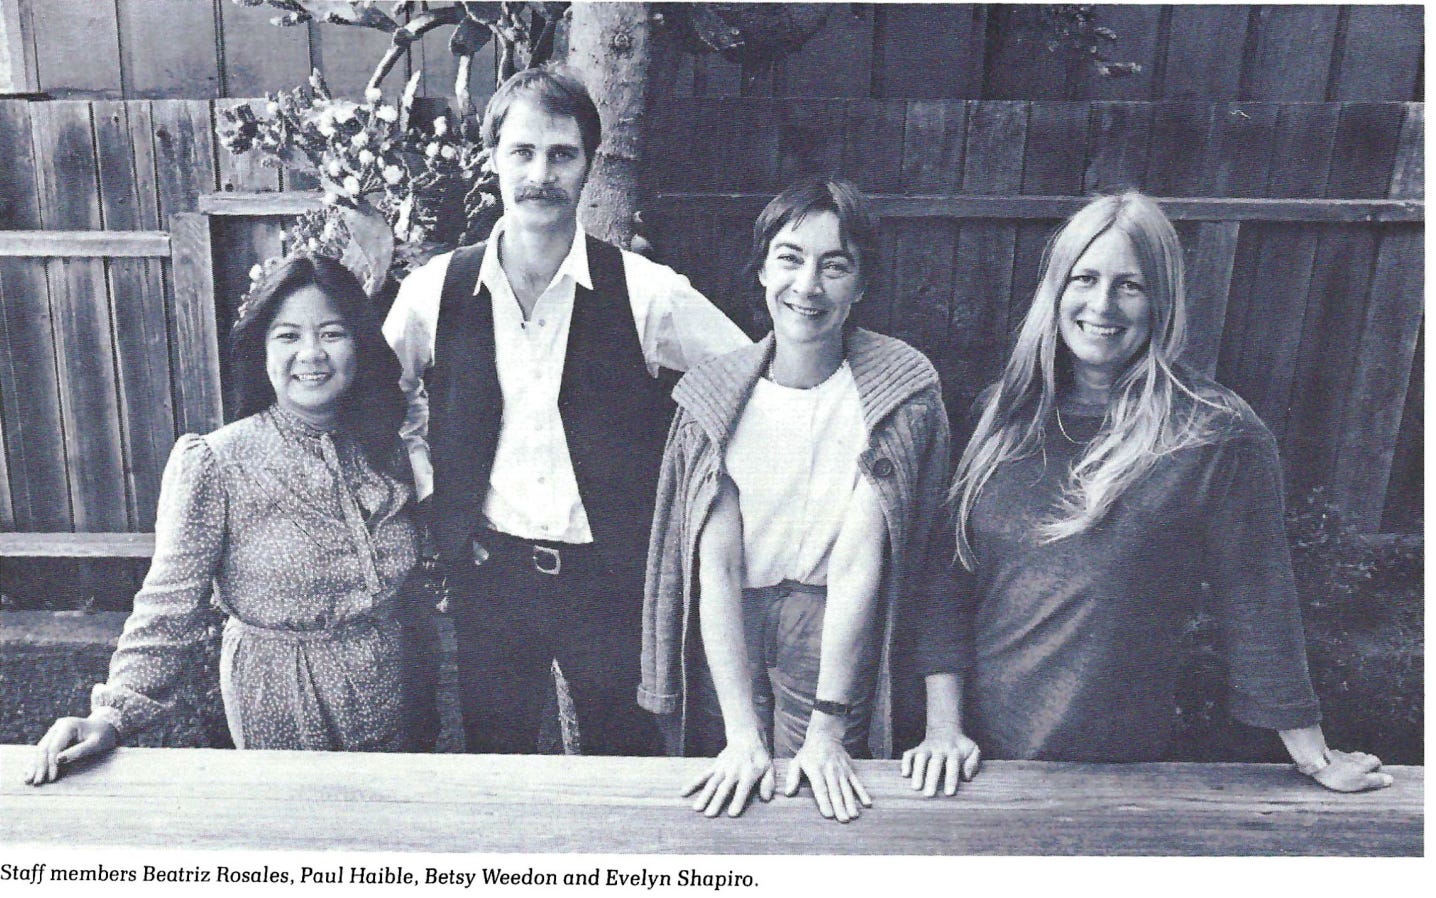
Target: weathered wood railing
193, 798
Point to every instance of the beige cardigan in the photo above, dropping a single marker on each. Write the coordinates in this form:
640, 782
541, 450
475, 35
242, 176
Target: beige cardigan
906, 461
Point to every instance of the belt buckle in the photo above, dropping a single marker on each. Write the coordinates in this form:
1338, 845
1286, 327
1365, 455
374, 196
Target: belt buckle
542, 552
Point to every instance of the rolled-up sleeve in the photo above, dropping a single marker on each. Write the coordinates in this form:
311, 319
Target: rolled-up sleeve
173, 614
678, 327
409, 329
1254, 592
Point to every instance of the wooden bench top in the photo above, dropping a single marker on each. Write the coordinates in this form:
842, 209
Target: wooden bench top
214, 799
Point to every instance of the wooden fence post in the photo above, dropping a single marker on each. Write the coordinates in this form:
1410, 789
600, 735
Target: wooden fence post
198, 408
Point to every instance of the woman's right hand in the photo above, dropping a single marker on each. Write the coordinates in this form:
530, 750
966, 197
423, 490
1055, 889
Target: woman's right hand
70, 739
742, 765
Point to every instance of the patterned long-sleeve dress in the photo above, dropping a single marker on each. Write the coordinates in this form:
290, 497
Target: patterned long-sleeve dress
289, 532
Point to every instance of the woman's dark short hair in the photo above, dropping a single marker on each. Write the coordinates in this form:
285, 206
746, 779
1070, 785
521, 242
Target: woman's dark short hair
373, 409
857, 225
557, 91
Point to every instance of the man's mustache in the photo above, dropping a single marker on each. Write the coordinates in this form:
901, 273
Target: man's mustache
556, 194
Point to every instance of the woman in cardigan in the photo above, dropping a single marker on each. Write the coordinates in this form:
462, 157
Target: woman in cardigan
799, 491
1104, 484
295, 519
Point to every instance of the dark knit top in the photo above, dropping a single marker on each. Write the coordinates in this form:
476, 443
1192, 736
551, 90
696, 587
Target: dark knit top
1077, 641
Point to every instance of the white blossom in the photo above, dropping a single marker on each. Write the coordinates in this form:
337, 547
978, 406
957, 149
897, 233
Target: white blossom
387, 113
365, 157
336, 168
447, 152
360, 140
373, 94
393, 174
441, 126
351, 185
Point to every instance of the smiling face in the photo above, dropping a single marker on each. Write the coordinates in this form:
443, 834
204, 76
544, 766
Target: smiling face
1104, 313
811, 280
541, 166
311, 356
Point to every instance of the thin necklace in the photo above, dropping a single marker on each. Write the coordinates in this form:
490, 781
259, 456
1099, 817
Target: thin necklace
1062, 428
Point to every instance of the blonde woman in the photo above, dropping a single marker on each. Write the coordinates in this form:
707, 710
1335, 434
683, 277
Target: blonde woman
1104, 484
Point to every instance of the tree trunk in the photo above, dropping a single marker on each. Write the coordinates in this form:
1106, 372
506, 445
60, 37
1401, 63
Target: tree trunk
609, 46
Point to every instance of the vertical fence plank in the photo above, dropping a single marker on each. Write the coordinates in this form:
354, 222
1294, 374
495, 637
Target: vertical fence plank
1118, 155
1365, 149
1293, 55
1383, 369
873, 144
1204, 59
934, 132
347, 55
196, 365
1020, 65
810, 139
1280, 286
838, 60
77, 48
1381, 57
39, 492
930, 50
1178, 157
138, 309
260, 58
1240, 149
754, 126
184, 154
1405, 493
1210, 249
168, 48
977, 333
79, 297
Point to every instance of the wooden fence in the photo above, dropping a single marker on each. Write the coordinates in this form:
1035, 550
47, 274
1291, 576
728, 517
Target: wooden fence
1302, 223
204, 49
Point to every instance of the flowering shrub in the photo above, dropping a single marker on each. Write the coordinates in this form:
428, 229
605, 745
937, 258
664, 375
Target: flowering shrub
397, 191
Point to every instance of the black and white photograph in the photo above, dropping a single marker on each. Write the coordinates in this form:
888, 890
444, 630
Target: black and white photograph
737, 446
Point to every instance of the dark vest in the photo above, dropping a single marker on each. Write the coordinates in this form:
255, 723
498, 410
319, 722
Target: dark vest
615, 416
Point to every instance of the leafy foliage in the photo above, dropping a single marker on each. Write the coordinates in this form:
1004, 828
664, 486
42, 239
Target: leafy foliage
397, 190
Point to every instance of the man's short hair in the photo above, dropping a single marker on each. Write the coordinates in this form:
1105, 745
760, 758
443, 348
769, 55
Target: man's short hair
557, 91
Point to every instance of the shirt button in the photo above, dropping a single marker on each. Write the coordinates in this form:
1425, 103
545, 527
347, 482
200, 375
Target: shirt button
883, 467
543, 480
320, 620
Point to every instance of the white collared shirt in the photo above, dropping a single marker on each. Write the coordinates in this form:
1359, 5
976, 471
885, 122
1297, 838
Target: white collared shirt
532, 489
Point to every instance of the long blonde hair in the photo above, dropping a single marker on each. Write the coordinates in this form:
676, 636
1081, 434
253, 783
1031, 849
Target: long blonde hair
1141, 424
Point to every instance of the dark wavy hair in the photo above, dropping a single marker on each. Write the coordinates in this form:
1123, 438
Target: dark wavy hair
373, 408
857, 226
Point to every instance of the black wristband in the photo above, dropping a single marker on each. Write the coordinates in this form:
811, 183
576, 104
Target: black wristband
836, 709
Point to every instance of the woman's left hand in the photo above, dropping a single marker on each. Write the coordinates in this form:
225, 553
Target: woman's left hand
829, 769
1352, 771
943, 757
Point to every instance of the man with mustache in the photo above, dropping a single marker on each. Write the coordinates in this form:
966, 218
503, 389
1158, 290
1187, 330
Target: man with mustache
536, 424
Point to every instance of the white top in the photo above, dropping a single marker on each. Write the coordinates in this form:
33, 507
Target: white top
794, 458
532, 489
